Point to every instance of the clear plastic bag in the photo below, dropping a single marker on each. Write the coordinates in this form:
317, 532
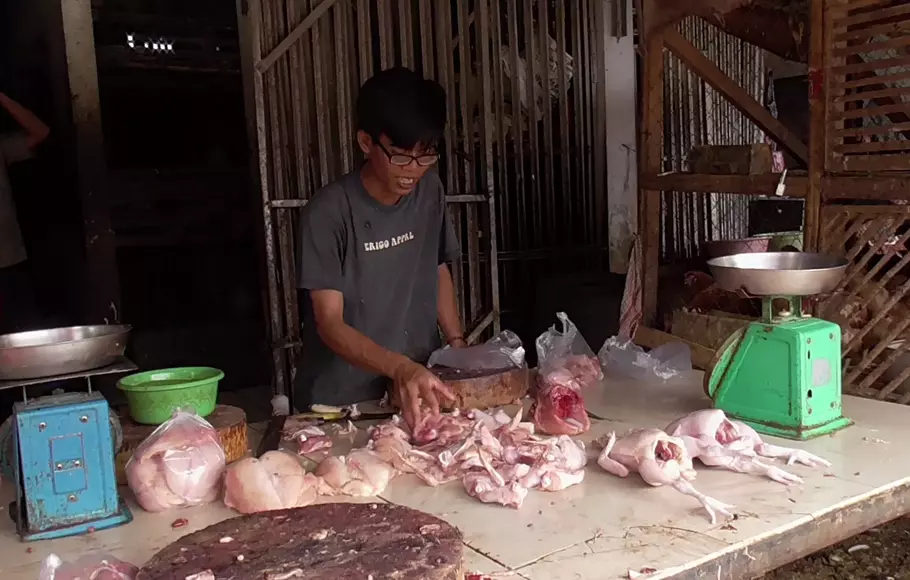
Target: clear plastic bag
621, 356
503, 351
180, 464
567, 350
96, 567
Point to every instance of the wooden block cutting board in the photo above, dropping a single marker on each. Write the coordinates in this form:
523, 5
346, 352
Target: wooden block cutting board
482, 389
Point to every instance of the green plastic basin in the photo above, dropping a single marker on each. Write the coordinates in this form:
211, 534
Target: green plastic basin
153, 396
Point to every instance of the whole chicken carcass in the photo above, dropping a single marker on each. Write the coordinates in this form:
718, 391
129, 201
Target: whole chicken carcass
180, 464
660, 460
275, 481
559, 408
717, 441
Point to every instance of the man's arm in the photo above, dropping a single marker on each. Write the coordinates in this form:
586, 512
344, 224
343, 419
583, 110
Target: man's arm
347, 342
447, 308
35, 129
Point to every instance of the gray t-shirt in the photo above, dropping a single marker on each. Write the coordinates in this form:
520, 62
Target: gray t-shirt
384, 260
13, 148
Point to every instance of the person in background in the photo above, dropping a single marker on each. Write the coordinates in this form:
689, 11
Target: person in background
374, 248
16, 295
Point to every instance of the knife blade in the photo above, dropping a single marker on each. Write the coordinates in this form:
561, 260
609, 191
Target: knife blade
272, 438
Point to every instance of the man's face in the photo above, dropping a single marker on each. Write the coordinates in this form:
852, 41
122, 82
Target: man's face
391, 165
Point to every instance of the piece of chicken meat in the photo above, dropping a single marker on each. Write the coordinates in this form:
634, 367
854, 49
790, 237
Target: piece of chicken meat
660, 460
277, 480
717, 441
360, 473
559, 408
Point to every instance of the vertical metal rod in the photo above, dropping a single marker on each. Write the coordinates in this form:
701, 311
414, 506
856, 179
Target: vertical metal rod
425, 27
364, 40
406, 31
343, 60
521, 184
278, 354
549, 203
537, 209
566, 193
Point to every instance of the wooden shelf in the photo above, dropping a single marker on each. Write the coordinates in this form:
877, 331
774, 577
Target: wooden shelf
766, 184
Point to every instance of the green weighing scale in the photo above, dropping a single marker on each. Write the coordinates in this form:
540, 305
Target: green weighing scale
781, 374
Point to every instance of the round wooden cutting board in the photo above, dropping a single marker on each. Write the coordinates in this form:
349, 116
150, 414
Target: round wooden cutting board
321, 542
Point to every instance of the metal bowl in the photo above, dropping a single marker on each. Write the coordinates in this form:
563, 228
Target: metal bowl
778, 273
59, 351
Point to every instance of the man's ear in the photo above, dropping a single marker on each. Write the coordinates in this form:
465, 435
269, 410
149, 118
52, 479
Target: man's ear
365, 142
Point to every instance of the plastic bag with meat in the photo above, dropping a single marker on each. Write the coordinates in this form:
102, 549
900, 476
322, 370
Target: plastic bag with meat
180, 464
559, 408
565, 366
567, 350
503, 351
98, 567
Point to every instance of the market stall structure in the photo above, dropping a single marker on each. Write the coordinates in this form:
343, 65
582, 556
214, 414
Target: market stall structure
515, 148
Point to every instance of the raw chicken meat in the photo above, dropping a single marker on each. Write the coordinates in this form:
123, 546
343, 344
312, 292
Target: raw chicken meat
361, 473
567, 350
180, 464
307, 435
87, 568
711, 437
312, 440
498, 459
660, 460
277, 480
585, 369
443, 429
559, 408
391, 443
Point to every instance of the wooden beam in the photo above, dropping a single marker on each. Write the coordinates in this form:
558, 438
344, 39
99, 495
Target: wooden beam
621, 99
101, 284
818, 88
651, 146
795, 185
707, 70
885, 186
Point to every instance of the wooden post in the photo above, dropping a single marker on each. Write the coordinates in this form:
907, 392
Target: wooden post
817, 113
102, 287
651, 140
620, 99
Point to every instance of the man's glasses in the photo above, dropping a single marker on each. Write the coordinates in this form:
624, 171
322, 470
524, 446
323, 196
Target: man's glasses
403, 160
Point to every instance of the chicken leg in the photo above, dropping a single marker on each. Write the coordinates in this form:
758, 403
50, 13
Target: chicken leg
775, 452
715, 455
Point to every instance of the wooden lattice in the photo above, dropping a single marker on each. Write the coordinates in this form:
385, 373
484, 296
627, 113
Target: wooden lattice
867, 85
871, 305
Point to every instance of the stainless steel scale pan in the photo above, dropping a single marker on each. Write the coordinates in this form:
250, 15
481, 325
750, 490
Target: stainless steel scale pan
59, 351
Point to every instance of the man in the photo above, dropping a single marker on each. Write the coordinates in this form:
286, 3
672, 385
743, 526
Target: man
373, 250
16, 300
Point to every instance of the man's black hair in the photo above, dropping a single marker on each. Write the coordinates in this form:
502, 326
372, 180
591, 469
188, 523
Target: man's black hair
404, 106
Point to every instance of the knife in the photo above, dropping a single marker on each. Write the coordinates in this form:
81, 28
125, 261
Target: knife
272, 438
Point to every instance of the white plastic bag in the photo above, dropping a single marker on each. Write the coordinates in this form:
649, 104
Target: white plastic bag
180, 464
503, 351
567, 350
621, 356
98, 567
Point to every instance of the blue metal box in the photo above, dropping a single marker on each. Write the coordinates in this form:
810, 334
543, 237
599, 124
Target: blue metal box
65, 467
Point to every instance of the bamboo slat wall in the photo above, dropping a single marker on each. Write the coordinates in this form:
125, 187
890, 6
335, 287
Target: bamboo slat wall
695, 114
868, 85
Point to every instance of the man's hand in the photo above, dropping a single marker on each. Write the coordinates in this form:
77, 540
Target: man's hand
458, 343
415, 384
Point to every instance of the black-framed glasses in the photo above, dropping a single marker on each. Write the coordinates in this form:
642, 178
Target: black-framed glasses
403, 159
